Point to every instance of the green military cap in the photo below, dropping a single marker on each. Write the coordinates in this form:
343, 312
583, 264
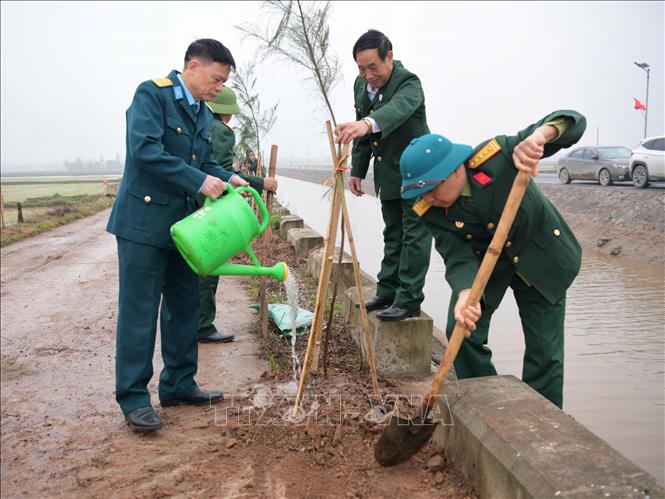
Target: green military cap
429, 160
225, 102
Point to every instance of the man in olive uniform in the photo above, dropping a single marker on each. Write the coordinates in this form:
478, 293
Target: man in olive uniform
224, 106
464, 191
169, 160
252, 163
390, 111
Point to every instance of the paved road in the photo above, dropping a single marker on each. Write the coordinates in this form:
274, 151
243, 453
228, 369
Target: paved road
62, 433
551, 178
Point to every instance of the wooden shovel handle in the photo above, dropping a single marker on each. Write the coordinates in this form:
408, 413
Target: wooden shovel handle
484, 273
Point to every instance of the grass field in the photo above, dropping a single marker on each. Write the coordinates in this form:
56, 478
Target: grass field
29, 213
46, 205
19, 192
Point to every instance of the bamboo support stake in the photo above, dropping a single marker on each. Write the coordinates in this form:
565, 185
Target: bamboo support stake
356, 267
321, 290
326, 270
267, 236
361, 301
338, 175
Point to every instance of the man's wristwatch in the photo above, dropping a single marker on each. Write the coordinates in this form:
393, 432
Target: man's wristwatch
369, 126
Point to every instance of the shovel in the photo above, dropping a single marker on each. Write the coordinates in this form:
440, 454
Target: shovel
403, 438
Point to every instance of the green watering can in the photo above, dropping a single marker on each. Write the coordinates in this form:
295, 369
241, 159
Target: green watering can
220, 230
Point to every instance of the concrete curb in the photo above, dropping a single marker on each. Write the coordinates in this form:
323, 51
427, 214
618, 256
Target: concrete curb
510, 441
401, 348
346, 278
288, 222
304, 240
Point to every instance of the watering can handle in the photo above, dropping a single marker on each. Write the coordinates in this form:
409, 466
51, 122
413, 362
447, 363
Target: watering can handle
265, 216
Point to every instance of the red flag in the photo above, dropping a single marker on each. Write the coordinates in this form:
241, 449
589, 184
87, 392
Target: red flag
639, 106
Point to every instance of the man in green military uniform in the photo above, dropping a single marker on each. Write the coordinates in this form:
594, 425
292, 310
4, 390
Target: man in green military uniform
224, 106
463, 195
252, 163
169, 160
390, 111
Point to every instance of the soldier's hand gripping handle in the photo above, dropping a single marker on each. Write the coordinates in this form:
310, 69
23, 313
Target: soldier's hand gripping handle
213, 187
528, 152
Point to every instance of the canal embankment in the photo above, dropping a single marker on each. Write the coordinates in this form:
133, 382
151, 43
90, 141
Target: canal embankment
499, 433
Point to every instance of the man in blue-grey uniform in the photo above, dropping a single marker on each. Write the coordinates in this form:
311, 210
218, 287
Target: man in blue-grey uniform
169, 160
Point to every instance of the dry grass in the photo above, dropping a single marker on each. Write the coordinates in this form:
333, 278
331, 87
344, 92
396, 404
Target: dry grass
50, 213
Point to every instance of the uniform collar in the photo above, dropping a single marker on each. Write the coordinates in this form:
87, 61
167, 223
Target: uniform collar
397, 66
188, 95
182, 94
466, 190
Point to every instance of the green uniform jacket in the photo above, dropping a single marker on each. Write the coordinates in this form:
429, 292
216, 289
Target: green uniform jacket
541, 248
224, 139
399, 110
169, 154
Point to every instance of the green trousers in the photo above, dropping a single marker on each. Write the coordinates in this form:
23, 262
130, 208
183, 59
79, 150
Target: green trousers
207, 290
407, 245
148, 276
542, 325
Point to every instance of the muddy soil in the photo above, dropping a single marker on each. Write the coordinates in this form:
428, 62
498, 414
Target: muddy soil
619, 220
63, 434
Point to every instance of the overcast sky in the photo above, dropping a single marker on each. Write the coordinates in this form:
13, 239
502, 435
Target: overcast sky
69, 69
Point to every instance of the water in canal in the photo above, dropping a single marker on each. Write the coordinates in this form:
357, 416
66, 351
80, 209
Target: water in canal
615, 330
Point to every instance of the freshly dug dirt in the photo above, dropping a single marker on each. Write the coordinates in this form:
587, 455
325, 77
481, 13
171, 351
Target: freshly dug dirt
63, 435
619, 220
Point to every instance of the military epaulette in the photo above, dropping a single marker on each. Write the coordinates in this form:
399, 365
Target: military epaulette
162, 82
421, 207
488, 151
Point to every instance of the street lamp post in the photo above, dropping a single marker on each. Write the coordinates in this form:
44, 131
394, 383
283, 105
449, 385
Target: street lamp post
645, 67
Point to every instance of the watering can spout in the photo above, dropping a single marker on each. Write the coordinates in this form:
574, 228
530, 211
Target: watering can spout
279, 271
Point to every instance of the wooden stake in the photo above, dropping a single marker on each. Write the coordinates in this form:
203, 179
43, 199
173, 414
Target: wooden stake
330, 248
2, 210
337, 209
267, 236
361, 301
324, 277
356, 272
326, 269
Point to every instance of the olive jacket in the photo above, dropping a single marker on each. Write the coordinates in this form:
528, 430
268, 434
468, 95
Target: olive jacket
541, 248
223, 141
169, 154
399, 110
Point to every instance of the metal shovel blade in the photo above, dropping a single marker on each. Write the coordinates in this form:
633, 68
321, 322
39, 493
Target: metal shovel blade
401, 439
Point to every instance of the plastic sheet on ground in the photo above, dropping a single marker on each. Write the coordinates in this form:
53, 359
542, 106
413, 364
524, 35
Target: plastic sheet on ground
282, 316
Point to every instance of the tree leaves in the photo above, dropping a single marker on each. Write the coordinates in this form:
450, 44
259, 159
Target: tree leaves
301, 36
254, 123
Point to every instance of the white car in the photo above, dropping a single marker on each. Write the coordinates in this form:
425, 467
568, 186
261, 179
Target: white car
647, 162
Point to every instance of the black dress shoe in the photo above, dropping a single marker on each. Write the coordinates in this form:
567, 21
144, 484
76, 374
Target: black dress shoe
397, 314
197, 397
217, 337
377, 303
144, 419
